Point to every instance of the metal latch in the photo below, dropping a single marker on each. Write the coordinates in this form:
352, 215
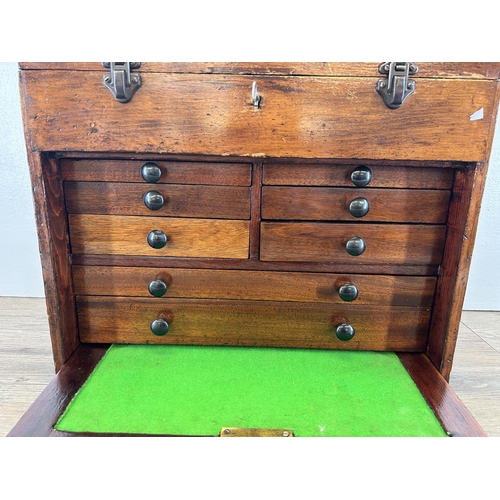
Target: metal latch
398, 86
121, 81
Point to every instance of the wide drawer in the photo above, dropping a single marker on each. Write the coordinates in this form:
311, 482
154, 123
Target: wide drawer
318, 117
251, 323
326, 242
220, 202
252, 285
384, 205
171, 172
128, 235
322, 174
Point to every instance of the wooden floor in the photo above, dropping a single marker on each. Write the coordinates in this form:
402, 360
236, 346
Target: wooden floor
26, 362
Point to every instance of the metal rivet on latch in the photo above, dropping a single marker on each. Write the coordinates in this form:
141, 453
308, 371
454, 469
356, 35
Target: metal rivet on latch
286, 434
256, 98
227, 431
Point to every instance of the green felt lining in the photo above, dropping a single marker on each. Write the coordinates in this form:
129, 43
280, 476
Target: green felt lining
197, 390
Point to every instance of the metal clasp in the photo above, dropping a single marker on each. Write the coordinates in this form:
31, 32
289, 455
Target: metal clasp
120, 81
398, 86
256, 98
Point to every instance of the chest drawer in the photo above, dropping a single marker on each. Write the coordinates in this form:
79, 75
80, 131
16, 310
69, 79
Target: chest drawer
203, 201
414, 291
158, 236
221, 322
381, 176
377, 205
370, 243
167, 172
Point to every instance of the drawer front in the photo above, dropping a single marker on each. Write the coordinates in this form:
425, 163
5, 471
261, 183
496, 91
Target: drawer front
323, 242
382, 205
220, 202
298, 117
171, 172
253, 285
123, 235
303, 174
220, 322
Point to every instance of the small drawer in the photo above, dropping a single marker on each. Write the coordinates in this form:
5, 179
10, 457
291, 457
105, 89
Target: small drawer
160, 172
357, 289
158, 237
251, 323
375, 205
101, 198
360, 175
367, 243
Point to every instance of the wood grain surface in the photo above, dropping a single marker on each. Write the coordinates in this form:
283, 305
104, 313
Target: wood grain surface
450, 292
334, 174
386, 205
127, 235
230, 322
489, 70
172, 172
254, 285
100, 198
209, 114
385, 243
451, 412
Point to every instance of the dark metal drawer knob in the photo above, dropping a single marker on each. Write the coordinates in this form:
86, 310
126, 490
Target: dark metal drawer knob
345, 332
157, 239
359, 207
159, 327
157, 288
355, 246
153, 200
348, 292
361, 176
151, 172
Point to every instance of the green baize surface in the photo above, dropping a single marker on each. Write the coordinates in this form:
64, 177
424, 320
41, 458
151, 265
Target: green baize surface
197, 390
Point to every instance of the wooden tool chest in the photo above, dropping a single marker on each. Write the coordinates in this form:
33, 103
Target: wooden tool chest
307, 205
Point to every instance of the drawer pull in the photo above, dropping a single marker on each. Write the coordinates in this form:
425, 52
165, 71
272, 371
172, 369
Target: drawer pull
359, 207
348, 292
361, 176
345, 332
151, 172
355, 246
153, 200
157, 239
157, 288
159, 327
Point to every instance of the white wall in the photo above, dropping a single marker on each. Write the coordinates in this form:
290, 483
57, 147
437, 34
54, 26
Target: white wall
20, 271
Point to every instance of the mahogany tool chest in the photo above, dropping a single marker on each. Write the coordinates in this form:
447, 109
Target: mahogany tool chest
325, 206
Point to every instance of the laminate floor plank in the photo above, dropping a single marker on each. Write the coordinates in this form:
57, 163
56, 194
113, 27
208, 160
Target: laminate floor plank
26, 364
486, 324
475, 376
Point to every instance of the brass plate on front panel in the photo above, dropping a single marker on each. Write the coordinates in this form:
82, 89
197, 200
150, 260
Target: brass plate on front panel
241, 432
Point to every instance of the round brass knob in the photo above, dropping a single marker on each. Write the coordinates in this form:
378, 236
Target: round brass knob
157, 288
361, 176
345, 332
153, 200
159, 327
355, 246
157, 239
151, 172
348, 292
359, 207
